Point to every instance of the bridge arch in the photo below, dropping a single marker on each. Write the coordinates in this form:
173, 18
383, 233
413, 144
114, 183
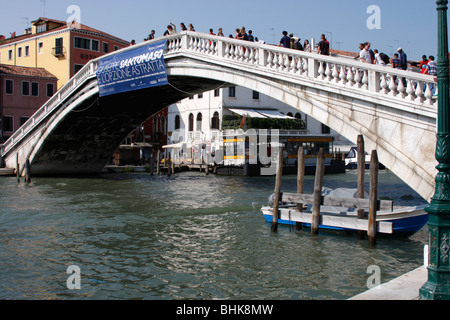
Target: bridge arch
76, 132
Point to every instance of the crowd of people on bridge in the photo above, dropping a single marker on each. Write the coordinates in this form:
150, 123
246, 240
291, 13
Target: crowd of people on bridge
399, 61
366, 55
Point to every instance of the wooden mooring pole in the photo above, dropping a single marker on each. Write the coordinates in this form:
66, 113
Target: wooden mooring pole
165, 162
172, 165
277, 197
17, 168
320, 169
300, 181
152, 162
158, 163
28, 171
373, 206
361, 171
169, 164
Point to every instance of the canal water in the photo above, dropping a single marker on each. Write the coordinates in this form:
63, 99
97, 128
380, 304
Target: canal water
189, 236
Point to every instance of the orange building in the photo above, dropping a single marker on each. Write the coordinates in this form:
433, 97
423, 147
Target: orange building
59, 48
36, 64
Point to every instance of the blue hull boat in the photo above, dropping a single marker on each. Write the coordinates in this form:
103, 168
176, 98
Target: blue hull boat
401, 222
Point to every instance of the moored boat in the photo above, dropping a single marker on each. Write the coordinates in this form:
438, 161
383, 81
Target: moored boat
394, 221
404, 222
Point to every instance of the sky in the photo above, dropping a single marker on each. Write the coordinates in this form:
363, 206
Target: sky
410, 24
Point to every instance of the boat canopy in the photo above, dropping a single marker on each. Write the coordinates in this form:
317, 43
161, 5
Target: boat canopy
274, 114
260, 113
173, 146
248, 112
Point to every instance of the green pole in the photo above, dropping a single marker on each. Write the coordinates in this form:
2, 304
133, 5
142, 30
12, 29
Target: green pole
438, 285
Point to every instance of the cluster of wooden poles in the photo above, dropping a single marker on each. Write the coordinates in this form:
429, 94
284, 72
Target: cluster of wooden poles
169, 165
26, 170
318, 184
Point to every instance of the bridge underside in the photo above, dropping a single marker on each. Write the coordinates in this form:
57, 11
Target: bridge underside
88, 136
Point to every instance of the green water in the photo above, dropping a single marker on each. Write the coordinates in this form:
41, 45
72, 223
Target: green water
189, 236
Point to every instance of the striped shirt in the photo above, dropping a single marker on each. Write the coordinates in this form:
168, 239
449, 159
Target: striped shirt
432, 68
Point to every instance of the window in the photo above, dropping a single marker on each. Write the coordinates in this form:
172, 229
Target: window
163, 125
8, 124
27, 51
105, 47
35, 89
116, 48
200, 95
82, 43
232, 92
155, 127
40, 47
217, 93
25, 88
23, 120
191, 122
289, 114
199, 121
215, 121
19, 52
77, 68
50, 89
95, 45
41, 28
325, 129
59, 47
9, 86
10, 54
255, 95
298, 116
177, 122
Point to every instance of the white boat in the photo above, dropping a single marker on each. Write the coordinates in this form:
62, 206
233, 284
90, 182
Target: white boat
398, 221
351, 160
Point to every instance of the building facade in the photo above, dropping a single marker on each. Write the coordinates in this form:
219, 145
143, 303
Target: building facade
205, 112
204, 123
59, 48
23, 91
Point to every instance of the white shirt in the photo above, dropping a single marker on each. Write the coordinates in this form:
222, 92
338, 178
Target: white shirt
365, 55
379, 60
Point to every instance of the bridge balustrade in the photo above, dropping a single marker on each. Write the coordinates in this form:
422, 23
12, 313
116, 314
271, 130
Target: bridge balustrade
342, 72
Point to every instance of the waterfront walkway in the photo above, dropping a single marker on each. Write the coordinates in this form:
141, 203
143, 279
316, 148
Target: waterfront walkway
405, 287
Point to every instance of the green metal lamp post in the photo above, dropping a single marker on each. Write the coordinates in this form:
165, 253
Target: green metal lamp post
438, 284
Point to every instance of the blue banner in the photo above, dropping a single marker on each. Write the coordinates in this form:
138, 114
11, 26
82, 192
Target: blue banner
140, 68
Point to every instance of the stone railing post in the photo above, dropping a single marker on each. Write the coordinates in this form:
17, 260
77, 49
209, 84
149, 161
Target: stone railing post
374, 81
262, 57
221, 45
313, 68
184, 42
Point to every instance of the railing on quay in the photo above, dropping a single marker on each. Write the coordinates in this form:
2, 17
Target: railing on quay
342, 72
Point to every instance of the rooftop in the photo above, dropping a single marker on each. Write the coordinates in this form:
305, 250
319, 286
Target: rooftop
25, 71
54, 25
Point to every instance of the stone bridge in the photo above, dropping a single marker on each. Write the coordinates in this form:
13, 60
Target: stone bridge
77, 131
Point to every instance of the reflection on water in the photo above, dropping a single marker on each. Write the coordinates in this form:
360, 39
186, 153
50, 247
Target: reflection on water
189, 236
